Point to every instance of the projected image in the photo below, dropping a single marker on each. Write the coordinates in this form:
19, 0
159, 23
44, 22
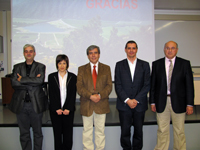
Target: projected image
69, 27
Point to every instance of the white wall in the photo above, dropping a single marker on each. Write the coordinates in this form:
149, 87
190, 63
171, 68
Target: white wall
185, 33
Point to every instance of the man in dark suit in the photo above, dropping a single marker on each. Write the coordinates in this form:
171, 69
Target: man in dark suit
171, 95
94, 84
132, 83
29, 100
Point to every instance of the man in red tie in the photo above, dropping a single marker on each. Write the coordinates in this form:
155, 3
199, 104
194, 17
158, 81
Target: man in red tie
94, 84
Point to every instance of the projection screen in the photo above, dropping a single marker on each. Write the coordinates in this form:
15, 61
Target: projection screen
69, 27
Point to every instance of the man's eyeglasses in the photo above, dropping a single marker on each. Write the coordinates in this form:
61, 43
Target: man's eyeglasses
172, 48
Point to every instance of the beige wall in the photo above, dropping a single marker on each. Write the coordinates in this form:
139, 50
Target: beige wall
2, 55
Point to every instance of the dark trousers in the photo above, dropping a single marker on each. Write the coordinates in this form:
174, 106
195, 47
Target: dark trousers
29, 118
127, 119
63, 130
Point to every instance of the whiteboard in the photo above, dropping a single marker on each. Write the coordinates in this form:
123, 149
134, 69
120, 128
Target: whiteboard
185, 33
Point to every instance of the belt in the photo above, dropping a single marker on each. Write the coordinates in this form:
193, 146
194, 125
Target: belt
27, 101
169, 95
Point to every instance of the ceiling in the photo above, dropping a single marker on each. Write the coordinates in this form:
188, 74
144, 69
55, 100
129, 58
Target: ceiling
158, 4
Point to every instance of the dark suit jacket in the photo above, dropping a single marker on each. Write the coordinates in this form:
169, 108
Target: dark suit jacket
54, 92
137, 89
32, 83
182, 87
85, 89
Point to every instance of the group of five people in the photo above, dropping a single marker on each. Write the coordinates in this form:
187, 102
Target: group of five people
171, 95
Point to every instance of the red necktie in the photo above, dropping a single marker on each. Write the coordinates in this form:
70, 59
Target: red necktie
94, 76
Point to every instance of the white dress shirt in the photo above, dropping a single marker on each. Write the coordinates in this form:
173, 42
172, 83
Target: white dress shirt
92, 67
132, 70
63, 89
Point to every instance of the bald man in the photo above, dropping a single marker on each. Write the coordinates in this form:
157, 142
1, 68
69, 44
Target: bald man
171, 96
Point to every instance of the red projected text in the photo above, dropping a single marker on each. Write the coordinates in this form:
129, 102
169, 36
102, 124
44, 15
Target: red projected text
116, 4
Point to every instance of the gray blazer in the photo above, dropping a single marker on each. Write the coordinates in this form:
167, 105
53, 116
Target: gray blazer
32, 83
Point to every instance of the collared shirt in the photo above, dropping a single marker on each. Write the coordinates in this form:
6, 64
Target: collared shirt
63, 88
132, 67
92, 66
167, 64
132, 70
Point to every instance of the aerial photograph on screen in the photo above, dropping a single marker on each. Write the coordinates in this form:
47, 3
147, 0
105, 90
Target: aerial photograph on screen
69, 27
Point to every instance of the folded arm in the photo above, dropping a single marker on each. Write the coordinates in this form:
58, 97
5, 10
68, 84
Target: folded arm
37, 80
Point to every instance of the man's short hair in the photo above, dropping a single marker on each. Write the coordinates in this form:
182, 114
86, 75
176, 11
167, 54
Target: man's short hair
60, 58
91, 47
133, 42
29, 45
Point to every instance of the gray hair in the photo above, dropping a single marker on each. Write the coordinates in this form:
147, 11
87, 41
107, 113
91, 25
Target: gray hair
29, 45
91, 47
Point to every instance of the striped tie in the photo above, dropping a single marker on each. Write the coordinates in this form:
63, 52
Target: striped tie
170, 75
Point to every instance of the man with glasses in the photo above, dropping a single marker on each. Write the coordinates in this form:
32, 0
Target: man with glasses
171, 95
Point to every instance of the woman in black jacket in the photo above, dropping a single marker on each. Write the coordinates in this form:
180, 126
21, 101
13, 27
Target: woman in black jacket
62, 97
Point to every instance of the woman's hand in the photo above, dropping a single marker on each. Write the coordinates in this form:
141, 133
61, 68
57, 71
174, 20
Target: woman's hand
66, 112
59, 111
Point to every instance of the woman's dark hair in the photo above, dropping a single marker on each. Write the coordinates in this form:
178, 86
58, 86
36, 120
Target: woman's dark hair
60, 58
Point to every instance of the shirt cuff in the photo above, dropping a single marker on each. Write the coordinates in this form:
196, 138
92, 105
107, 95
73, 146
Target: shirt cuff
126, 100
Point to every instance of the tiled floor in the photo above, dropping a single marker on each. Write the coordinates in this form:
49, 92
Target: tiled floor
8, 119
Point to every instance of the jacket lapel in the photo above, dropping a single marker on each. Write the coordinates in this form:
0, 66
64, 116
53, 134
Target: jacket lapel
176, 65
89, 74
33, 71
100, 71
68, 80
137, 67
23, 70
127, 69
56, 80
162, 70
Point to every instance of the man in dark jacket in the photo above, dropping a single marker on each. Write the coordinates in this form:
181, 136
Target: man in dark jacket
29, 100
171, 95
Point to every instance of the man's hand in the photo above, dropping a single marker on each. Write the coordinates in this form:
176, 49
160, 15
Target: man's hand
19, 77
38, 75
66, 112
189, 110
95, 98
59, 111
132, 103
153, 107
